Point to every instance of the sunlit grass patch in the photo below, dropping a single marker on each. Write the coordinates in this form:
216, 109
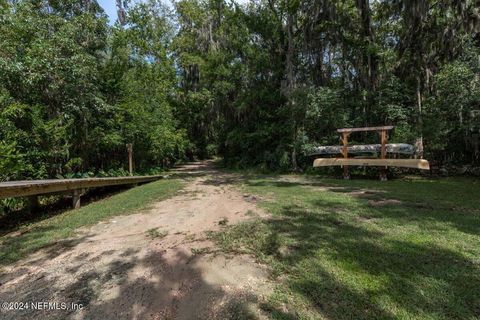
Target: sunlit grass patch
361, 249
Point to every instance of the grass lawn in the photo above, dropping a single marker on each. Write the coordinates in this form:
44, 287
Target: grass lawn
30, 238
360, 249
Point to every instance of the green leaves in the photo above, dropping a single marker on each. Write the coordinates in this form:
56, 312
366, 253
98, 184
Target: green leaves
10, 159
453, 114
256, 83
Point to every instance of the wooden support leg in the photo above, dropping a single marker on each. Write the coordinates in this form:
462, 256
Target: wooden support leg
383, 174
346, 172
33, 203
383, 142
130, 158
76, 199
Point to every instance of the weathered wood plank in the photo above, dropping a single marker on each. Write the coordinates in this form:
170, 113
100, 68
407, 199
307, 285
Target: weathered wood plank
405, 163
76, 199
346, 172
25, 188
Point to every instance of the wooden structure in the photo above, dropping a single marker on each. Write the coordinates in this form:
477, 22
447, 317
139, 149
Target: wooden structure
381, 162
420, 164
73, 187
130, 157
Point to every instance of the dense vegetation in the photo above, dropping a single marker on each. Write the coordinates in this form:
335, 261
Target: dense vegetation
257, 84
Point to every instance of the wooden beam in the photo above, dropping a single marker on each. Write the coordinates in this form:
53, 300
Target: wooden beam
76, 199
383, 153
130, 158
33, 203
383, 144
405, 163
346, 173
365, 129
26, 188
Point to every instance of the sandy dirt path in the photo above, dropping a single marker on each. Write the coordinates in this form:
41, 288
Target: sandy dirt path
118, 270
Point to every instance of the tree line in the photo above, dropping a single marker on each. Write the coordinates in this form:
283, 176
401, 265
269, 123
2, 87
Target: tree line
258, 84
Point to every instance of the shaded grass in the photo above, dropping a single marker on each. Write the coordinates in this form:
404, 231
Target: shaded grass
341, 250
154, 233
52, 205
54, 230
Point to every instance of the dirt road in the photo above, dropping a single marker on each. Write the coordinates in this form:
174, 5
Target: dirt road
155, 264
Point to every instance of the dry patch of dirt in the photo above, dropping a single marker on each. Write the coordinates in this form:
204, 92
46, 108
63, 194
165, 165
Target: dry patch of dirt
365, 193
384, 202
150, 265
365, 219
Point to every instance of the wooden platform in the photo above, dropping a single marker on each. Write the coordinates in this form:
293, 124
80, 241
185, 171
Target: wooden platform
75, 187
404, 163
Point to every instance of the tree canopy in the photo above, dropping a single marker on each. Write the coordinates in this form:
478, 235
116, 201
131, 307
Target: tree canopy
257, 84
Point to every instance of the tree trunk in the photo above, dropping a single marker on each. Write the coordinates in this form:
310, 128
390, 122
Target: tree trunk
121, 12
419, 121
369, 59
290, 86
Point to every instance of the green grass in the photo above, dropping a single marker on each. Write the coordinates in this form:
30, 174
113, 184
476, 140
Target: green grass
49, 232
154, 233
337, 253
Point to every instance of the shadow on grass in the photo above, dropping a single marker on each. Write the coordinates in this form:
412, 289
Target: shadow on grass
17, 246
401, 265
348, 268
13, 220
418, 202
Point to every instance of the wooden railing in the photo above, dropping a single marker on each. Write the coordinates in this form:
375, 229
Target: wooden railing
74, 187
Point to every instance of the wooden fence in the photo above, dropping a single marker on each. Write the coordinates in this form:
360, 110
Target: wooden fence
73, 187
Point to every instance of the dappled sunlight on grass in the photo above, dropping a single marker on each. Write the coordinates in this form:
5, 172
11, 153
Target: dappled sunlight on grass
347, 251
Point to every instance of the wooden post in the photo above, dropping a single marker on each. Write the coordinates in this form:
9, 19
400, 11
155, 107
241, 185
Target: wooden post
76, 198
346, 173
33, 203
383, 154
130, 158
